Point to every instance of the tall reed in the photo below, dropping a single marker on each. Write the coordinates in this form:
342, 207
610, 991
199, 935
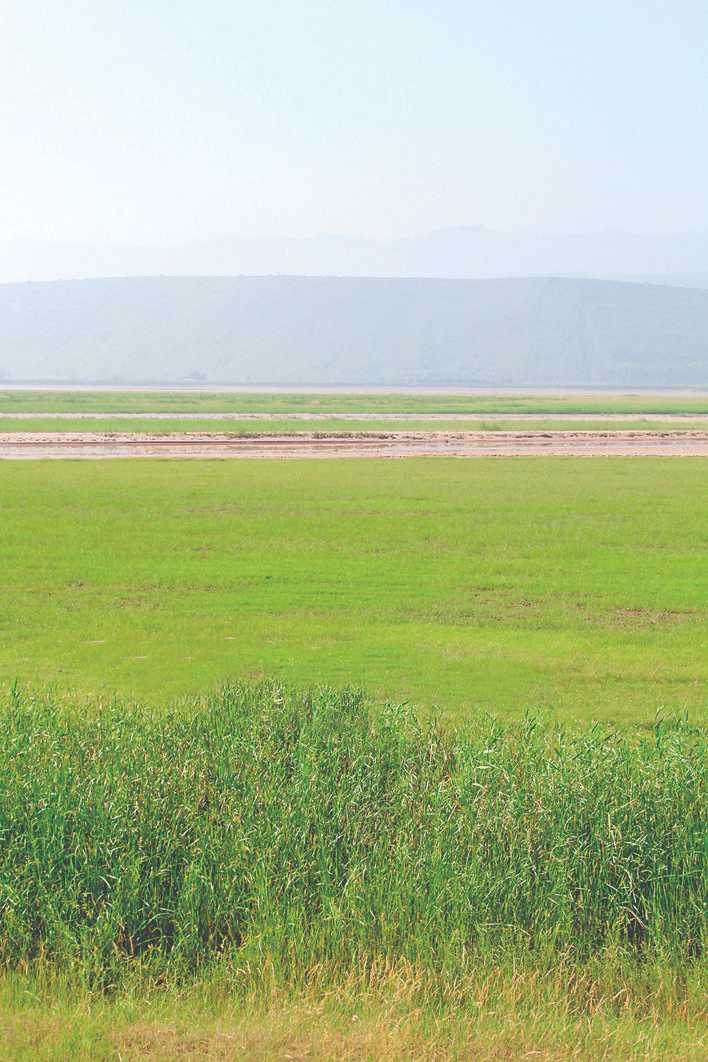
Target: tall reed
301, 828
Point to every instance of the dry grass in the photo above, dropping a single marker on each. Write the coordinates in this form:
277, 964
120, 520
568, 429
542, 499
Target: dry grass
391, 1015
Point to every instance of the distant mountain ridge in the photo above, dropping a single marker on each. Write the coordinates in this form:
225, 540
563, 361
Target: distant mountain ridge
300, 330
447, 253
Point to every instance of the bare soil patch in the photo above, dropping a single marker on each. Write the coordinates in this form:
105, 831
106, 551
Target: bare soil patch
96, 445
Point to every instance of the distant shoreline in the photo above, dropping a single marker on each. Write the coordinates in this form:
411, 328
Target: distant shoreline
344, 389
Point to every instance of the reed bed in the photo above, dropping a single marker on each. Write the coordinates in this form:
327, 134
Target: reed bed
294, 830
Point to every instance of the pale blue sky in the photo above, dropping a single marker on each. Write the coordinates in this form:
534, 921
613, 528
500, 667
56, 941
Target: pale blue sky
181, 119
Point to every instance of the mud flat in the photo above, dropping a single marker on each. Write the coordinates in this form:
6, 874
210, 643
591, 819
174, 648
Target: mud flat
98, 445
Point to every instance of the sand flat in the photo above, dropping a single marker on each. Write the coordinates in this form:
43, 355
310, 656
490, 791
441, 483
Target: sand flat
395, 444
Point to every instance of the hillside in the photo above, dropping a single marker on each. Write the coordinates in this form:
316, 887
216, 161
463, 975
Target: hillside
290, 330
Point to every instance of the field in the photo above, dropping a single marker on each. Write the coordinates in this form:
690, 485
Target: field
274, 425
576, 586
214, 846
116, 401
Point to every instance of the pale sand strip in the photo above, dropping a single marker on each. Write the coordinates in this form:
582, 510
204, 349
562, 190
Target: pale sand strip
97, 445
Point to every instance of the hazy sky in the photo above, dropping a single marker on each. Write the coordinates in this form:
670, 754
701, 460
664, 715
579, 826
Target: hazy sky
181, 119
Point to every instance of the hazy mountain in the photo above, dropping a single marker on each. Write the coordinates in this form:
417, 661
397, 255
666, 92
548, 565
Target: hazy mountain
677, 280
457, 252
298, 330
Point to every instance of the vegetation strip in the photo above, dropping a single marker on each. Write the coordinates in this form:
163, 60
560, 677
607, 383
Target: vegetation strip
422, 403
294, 829
259, 423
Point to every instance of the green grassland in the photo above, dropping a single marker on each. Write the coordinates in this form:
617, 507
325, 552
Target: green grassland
262, 872
579, 586
266, 873
295, 424
332, 402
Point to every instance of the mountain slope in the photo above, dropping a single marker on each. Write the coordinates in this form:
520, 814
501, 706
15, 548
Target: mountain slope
289, 330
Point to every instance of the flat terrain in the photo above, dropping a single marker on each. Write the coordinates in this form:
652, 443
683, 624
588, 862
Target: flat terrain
392, 444
473, 585
291, 878
270, 423
371, 401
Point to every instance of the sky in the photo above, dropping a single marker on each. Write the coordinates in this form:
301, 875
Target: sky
177, 120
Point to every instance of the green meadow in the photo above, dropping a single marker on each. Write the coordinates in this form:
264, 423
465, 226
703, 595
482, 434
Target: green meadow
213, 846
12, 401
579, 587
174, 425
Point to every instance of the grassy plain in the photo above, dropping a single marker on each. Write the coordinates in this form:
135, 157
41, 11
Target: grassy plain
13, 401
259, 874
580, 586
250, 427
